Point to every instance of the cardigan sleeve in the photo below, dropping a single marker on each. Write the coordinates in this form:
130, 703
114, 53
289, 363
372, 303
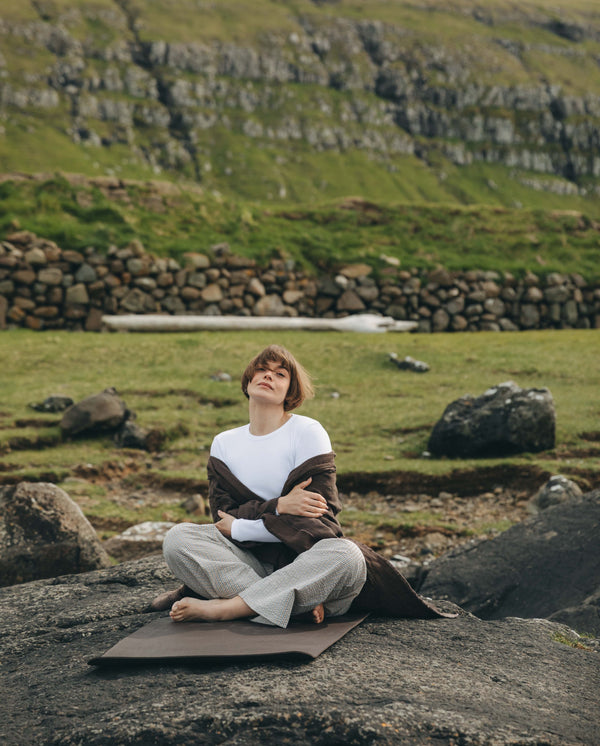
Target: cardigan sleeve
299, 533
230, 496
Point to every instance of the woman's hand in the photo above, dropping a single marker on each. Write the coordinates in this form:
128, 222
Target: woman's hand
302, 502
224, 525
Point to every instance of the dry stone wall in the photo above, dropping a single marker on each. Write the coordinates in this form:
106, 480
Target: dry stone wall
45, 287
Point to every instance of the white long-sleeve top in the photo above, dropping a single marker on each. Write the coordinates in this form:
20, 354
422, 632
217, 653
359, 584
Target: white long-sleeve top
263, 462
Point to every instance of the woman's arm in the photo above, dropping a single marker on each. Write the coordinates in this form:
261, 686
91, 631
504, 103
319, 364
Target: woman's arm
242, 529
299, 532
300, 501
228, 494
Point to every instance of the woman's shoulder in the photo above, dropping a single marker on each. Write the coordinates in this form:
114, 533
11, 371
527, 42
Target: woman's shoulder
302, 423
310, 437
227, 437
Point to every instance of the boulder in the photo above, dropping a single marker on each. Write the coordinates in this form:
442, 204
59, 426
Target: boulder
558, 489
104, 411
138, 541
389, 681
547, 566
131, 435
43, 533
504, 420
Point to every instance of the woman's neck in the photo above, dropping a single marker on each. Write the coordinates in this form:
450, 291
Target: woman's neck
265, 420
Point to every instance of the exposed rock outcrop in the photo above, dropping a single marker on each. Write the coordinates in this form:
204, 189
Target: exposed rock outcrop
548, 566
387, 682
505, 420
43, 533
170, 101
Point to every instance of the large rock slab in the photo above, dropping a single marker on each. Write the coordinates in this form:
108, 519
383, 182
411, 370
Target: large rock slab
43, 533
390, 681
504, 420
547, 566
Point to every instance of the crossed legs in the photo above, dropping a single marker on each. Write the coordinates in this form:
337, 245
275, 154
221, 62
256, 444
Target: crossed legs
323, 580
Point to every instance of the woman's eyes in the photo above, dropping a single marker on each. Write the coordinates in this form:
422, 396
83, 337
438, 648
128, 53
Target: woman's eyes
281, 373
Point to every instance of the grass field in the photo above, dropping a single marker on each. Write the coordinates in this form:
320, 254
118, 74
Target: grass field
379, 419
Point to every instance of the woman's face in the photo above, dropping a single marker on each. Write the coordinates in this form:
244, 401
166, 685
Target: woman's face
269, 384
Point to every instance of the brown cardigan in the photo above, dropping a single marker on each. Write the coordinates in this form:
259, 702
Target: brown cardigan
385, 591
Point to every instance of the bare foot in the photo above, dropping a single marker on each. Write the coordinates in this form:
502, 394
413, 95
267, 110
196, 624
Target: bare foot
315, 616
318, 614
167, 599
213, 610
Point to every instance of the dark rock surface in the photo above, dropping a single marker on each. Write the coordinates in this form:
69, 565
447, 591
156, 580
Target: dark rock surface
43, 533
103, 411
389, 681
131, 435
55, 403
504, 420
547, 566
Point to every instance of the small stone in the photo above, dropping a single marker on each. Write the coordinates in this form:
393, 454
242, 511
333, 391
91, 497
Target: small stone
54, 403
212, 293
350, 301
50, 276
255, 287
196, 261
408, 363
195, 504
36, 257
557, 489
354, 271
77, 295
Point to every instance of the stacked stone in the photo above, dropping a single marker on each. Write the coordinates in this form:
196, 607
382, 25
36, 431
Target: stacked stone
488, 301
45, 287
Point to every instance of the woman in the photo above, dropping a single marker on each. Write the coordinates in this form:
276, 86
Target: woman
276, 549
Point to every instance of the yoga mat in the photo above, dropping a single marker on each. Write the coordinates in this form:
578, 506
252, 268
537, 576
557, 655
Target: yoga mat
164, 639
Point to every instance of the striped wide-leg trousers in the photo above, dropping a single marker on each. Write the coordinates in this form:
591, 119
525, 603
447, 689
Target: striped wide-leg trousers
331, 572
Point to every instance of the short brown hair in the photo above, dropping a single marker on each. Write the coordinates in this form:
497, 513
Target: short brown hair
300, 387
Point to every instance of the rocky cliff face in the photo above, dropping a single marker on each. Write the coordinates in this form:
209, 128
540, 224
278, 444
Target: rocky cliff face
469, 89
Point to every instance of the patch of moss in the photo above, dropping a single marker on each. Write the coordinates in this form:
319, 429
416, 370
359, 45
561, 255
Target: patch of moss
573, 640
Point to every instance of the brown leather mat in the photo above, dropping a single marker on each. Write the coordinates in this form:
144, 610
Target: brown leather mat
164, 639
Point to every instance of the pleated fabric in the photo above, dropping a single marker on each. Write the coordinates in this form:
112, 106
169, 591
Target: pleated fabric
331, 572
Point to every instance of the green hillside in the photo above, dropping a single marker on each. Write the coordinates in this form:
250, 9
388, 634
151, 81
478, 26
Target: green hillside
309, 101
171, 220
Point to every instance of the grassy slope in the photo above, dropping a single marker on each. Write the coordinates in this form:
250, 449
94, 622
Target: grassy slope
380, 422
256, 168
421, 235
